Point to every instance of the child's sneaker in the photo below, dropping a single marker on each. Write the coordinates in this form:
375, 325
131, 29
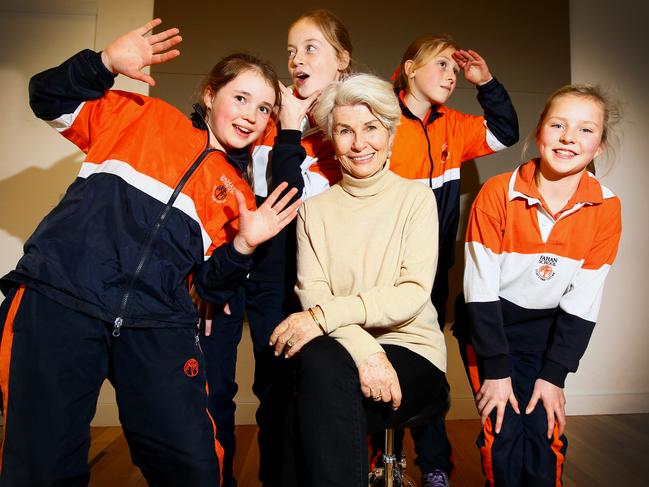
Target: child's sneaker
437, 478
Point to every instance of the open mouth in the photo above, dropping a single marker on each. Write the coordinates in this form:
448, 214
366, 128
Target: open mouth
242, 131
301, 77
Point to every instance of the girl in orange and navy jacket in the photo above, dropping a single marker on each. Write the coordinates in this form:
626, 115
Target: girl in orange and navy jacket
432, 143
539, 245
101, 291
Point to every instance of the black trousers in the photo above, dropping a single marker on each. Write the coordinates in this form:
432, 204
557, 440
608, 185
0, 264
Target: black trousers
333, 418
53, 361
521, 455
266, 304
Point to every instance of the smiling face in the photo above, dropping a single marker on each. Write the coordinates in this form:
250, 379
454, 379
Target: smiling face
238, 113
360, 140
312, 61
434, 81
570, 136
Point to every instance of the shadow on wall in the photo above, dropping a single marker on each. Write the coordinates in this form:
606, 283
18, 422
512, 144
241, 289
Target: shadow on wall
26, 197
470, 185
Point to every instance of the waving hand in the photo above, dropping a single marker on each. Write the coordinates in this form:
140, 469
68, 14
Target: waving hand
255, 227
132, 52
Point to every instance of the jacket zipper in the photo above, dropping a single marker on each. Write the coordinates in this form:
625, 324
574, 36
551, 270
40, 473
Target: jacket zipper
119, 321
430, 157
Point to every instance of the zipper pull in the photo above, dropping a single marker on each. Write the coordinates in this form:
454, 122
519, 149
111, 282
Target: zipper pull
117, 325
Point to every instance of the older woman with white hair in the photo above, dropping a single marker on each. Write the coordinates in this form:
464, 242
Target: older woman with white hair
371, 352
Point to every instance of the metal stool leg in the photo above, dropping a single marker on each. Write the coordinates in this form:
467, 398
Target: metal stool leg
389, 460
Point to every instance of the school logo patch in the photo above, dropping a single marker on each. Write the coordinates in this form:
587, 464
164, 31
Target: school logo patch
191, 367
546, 268
219, 193
445, 153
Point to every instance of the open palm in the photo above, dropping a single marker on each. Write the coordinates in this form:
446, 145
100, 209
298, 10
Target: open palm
132, 52
255, 227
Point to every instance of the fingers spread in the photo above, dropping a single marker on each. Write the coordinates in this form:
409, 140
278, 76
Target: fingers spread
148, 26
272, 197
140, 76
289, 213
165, 56
162, 37
241, 201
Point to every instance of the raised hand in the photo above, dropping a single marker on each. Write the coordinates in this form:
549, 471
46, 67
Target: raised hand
379, 380
554, 403
132, 52
294, 109
496, 393
473, 65
255, 227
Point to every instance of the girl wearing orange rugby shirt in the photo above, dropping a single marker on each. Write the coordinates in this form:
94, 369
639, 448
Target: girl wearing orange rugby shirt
533, 290
432, 143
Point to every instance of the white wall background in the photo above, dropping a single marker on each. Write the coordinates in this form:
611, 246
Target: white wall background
609, 47
36, 163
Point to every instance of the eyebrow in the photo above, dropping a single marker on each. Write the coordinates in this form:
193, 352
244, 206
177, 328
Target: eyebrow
307, 40
448, 58
247, 93
557, 117
341, 124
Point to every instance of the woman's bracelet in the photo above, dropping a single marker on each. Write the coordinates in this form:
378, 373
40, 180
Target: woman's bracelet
317, 321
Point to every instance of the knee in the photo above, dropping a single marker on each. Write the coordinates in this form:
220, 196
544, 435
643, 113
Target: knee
324, 362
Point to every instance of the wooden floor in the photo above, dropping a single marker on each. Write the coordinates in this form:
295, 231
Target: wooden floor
606, 451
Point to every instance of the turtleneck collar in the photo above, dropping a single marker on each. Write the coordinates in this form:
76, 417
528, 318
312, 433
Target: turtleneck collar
366, 187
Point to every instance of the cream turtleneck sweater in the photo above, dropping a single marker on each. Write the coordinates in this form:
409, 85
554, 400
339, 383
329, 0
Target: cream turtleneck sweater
367, 254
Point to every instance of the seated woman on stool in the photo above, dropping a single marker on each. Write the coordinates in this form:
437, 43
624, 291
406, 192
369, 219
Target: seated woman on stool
371, 352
